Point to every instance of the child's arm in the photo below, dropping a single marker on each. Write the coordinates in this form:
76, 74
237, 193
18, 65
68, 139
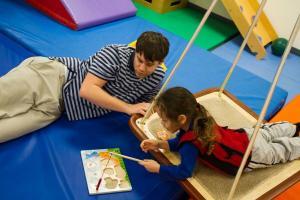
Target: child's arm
189, 155
150, 144
150, 165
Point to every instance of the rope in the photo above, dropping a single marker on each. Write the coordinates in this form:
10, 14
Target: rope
266, 104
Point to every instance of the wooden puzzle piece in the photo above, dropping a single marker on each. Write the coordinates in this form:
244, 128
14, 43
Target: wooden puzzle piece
110, 183
124, 184
120, 172
163, 135
108, 171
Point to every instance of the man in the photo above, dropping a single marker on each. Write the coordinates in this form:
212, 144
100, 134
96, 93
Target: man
117, 78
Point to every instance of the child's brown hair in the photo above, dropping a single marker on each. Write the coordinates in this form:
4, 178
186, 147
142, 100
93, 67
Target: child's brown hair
179, 101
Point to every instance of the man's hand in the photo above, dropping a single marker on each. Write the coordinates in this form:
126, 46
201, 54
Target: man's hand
149, 144
139, 108
92, 90
150, 165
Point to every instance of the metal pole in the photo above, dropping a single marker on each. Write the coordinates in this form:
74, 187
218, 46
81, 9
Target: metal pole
266, 104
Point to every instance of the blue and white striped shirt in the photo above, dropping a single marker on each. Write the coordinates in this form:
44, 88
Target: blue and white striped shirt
113, 63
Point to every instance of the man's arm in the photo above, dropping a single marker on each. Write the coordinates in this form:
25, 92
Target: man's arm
92, 90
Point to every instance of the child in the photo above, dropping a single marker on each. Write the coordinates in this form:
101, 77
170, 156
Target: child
116, 78
218, 147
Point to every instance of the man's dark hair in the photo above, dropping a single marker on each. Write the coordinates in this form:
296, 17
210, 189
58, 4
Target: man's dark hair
154, 46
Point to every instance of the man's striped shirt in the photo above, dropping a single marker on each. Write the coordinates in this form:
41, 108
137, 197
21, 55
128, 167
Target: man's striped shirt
113, 63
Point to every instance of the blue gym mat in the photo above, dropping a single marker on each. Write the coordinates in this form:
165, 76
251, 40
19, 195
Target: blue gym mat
46, 164
43, 36
267, 67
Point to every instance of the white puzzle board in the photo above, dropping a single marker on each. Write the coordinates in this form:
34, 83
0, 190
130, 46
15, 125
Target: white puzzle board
96, 163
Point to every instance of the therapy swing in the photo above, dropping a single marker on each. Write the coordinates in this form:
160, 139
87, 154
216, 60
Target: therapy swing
205, 182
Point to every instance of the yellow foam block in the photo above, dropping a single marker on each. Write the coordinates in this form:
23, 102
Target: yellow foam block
162, 6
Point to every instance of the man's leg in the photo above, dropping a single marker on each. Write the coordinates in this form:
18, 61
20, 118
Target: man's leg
30, 97
16, 95
19, 125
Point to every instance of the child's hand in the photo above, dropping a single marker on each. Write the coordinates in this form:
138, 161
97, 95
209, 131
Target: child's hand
150, 165
149, 144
